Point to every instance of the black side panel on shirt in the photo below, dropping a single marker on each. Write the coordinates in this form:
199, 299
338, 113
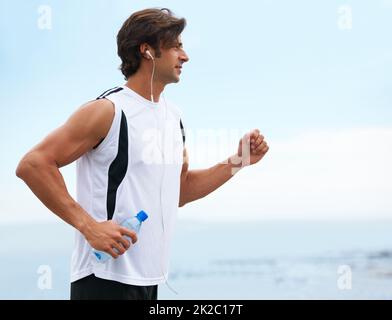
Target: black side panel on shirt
118, 167
183, 132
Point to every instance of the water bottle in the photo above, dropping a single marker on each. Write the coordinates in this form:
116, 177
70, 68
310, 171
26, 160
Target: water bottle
133, 224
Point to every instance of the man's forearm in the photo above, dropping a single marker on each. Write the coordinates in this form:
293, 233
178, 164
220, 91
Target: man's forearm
199, 183
47, 183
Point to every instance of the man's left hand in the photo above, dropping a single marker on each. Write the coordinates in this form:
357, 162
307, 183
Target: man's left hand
252, 148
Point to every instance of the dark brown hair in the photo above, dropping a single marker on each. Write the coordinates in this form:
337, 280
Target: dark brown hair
157, 27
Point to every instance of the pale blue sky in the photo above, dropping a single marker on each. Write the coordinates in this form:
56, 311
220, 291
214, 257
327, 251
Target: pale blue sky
284, 67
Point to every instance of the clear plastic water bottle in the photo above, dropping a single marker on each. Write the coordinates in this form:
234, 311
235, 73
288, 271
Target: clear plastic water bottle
133, 224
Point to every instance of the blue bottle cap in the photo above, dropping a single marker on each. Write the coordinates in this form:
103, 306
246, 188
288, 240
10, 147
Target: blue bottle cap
141, 216
98, 255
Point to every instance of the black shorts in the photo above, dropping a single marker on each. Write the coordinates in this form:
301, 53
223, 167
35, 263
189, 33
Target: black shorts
93, 288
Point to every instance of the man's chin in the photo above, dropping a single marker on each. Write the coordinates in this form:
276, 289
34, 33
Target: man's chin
175, 80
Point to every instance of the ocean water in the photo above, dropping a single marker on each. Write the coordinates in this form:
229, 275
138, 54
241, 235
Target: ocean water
247, 260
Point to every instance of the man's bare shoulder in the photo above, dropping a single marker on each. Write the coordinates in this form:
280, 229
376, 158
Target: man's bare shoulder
97, 115
84, 129
98, 109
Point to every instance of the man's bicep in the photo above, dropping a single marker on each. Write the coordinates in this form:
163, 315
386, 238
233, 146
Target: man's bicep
82, 131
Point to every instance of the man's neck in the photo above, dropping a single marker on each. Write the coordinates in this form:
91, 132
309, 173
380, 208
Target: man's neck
140, 83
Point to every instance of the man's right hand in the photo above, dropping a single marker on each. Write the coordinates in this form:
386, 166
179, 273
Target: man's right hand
107, 236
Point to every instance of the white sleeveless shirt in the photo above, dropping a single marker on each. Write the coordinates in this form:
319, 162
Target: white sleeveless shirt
136, 167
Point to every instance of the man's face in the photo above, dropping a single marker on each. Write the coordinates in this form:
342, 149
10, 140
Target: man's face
168, 66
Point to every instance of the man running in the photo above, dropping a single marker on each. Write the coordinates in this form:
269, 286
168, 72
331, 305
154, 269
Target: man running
129, 145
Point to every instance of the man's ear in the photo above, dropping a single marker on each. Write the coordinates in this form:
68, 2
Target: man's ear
142, 49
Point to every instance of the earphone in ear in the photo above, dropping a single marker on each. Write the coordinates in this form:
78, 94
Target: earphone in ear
152, 74
148, 53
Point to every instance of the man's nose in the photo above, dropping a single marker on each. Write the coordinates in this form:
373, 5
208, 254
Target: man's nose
184, 57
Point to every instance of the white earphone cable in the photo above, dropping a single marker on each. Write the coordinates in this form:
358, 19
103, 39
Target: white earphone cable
152, 78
